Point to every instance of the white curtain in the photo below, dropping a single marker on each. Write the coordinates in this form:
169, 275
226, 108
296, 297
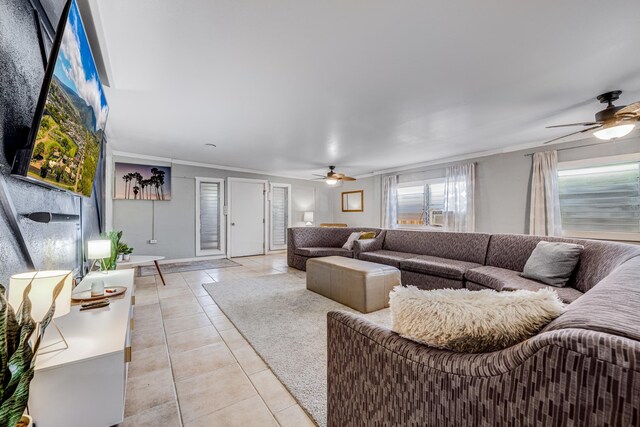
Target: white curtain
389, 201
544, 218
459, 193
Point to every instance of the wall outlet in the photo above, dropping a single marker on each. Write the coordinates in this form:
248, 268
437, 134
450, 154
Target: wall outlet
153, 241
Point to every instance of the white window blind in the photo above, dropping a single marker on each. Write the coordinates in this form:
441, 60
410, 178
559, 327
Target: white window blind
280, 194
600, 199
416, 199
210, 220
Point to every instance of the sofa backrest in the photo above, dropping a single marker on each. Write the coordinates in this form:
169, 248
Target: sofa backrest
612, 306
599, 258
470, 247
322, 237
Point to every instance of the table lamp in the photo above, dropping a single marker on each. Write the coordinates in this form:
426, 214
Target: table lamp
41, 295
99, 250
308, 218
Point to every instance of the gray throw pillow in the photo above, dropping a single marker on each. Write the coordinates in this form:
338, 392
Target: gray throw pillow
552, 262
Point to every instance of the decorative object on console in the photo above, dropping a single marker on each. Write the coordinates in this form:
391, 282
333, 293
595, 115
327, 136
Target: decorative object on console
471, 321
353, 201
308, 218
124, 252
99, 250
552, 262
115, 237
142, 182
46, 290
17, 354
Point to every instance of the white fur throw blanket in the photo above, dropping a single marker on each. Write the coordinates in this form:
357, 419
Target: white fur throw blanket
471, 321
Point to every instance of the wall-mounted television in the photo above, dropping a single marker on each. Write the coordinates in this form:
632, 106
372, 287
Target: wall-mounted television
64, 143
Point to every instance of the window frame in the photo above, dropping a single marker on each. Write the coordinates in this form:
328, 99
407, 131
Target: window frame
221, 212
272, 245
593, 163
416, 183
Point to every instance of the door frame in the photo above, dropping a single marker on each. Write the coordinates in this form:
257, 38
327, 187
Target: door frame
223, 222
265, 187
288, 187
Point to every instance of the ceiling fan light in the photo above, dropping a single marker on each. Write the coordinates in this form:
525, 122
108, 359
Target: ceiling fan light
331, 181
614, 130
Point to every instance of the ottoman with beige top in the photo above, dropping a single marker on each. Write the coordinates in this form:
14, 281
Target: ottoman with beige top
361, 285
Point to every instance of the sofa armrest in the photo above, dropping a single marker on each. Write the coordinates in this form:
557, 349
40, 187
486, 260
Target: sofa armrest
377, 377
368, 245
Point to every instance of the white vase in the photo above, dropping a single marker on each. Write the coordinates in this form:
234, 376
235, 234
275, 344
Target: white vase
126, 257
119, 259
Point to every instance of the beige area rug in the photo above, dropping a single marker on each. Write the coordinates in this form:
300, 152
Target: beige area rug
287, 325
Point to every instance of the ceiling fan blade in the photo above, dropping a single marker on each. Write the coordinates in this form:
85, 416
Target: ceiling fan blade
315, 174
574, 133
631, 109
574, 124
347, 178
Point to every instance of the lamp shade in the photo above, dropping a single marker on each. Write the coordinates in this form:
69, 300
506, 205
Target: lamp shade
614, 130
308, 217
41, 294
98, 249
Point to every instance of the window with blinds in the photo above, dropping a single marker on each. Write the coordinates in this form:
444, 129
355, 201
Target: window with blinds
600, 199
416, 200
210, 216
279, 215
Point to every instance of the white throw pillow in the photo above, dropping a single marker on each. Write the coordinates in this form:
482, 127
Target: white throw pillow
471, 321
352, 238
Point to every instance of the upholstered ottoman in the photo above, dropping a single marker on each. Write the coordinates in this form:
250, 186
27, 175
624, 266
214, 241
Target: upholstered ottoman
361, 285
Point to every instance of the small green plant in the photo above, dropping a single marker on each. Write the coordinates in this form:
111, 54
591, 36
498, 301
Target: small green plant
20, 340
124, 249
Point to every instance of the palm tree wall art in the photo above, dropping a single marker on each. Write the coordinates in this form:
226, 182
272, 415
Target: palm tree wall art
135, 181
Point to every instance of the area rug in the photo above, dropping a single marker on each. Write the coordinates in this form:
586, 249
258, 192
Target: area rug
180, 267
287, 325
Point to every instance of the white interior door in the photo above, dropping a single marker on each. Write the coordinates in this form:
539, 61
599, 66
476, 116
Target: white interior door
246, 217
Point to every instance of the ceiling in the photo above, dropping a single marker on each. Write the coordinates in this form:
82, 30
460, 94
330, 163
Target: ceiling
290, 86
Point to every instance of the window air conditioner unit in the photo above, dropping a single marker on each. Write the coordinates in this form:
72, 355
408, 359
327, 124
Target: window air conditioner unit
436, 217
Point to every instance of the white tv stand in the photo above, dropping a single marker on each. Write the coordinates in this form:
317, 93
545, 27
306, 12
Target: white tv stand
85, 385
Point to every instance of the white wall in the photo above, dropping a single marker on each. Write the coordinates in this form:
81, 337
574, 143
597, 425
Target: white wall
503, 185
175, 219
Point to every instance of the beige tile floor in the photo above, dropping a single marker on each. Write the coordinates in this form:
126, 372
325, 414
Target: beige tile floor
191, 367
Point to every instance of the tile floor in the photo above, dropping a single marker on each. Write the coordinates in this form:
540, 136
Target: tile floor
191, 367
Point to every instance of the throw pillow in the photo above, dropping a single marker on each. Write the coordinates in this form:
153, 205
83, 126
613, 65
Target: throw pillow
471, 321
552, 262
368, 235
352, 238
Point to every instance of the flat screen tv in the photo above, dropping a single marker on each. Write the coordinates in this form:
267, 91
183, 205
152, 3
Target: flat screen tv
65, 140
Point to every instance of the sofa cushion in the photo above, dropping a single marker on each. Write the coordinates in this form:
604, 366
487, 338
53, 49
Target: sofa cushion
470, 247
391, 258
598, 259
471, 322
317, 252
552, 262
443, 267
501, 279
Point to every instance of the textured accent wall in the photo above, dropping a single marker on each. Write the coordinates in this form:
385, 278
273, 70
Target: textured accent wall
54, 245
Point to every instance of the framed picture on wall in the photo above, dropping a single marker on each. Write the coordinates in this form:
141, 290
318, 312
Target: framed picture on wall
353, 201
134, 181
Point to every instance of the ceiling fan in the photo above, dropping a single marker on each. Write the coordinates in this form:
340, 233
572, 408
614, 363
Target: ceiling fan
332, 177
610, 123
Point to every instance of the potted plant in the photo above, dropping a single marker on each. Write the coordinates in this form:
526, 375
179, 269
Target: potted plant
124, 252
20, 338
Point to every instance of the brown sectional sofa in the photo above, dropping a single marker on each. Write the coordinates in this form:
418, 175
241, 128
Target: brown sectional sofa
583, 369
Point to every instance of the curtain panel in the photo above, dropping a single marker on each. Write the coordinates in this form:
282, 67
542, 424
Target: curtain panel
389, 201
459, 195
544, 217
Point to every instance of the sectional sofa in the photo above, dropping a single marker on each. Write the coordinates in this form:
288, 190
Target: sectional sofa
433, 259
583, 369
